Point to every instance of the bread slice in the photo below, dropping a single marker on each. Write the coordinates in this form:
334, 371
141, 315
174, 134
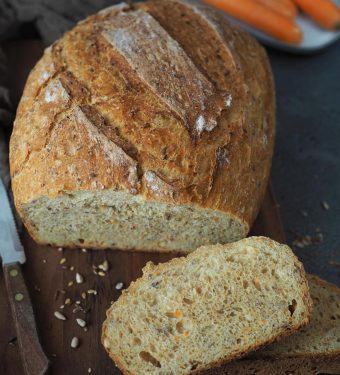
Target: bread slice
313, 350
213, 306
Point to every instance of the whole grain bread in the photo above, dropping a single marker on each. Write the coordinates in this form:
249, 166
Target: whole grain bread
315, 349
146, 127
216, 305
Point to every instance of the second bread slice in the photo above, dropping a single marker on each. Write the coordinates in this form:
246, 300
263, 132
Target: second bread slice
213, 306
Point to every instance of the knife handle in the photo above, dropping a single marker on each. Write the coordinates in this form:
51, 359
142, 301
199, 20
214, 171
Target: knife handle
33, 357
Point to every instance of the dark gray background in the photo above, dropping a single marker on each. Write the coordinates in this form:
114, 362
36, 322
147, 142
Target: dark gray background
306, 166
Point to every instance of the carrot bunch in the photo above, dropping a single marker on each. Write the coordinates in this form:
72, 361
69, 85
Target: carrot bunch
277, 17
324, 12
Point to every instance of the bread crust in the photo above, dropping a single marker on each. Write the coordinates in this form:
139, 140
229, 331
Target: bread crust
212, 366
96, 125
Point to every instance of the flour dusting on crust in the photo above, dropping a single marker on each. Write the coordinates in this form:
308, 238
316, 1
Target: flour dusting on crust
112, 152
162, 64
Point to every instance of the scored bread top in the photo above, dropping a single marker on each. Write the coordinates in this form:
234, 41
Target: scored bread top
215, 305
164, 99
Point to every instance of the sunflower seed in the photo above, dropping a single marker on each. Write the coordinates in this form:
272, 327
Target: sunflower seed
119, 285
59, 315
81, 322
74, 342
104, 266
79, 278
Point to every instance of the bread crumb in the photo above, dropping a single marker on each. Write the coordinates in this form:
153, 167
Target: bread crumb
304, 213
325, 205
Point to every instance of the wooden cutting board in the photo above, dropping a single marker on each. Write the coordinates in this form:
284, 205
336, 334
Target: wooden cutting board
48, 280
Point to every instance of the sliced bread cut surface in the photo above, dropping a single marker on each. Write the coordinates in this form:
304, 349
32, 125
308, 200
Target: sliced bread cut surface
215, 305
313, 350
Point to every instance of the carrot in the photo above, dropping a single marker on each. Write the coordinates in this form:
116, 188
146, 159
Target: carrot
280, 6
262, 18
291, 5
324, 12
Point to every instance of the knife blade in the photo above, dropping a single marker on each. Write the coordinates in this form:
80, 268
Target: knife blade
11, 249
34, 360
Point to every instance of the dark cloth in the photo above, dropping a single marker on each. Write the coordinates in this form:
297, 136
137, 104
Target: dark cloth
51, 19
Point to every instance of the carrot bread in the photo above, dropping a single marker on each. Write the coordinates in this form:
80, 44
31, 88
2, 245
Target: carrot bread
146, 127
315, 349
215, 305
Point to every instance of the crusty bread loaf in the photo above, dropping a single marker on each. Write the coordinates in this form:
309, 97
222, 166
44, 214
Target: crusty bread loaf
146, 127
315, 349
215, 305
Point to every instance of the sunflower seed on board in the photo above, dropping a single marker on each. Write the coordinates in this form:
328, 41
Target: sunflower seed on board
119, 285
74, 342
104, 266
79, 278
59, 315
81, 322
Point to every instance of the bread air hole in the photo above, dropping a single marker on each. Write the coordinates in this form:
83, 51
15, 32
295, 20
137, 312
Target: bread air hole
147, 357
180, 327
187, 301
136, 341
245, 284
292, 307
257, 284
198, 290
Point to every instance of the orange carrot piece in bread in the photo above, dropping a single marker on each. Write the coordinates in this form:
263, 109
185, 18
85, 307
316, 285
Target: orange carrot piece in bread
262, 18
324, 12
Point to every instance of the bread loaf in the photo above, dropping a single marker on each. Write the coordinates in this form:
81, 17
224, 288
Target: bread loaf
146, 127
215, 305
315, 349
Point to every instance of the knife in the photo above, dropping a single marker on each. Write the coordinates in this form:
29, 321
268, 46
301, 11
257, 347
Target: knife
12, 253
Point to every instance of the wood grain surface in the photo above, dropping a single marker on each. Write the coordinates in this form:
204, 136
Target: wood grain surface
51, 279
33, 358
48, 283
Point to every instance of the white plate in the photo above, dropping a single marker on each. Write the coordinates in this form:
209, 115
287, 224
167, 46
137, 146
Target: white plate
314, 39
